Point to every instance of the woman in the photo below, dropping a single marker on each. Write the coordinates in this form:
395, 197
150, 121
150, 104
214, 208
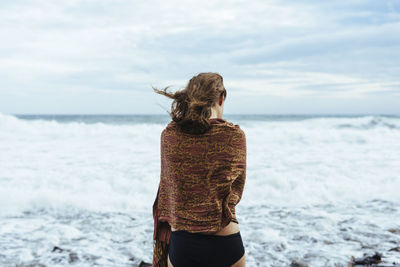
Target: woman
203, 172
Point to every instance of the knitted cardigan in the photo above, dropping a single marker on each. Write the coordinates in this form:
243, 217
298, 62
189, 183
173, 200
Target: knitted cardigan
202, 179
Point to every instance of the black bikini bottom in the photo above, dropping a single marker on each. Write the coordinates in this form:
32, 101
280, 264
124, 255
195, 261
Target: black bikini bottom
193, 249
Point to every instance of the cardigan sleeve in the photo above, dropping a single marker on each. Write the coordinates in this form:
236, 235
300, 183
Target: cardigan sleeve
239, 164
239, 158
162, 230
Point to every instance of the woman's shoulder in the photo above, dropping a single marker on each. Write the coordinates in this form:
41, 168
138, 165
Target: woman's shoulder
224, 122
216, 123
235, 127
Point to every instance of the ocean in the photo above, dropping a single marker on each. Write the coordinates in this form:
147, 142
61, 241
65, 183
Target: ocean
79, 189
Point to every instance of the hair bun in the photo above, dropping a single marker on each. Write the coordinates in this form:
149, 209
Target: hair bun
191, 107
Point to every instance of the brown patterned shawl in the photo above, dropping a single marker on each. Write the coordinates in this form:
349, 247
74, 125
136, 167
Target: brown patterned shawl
202, 179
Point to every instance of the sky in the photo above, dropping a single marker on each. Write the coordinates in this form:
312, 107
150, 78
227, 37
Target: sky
276, 56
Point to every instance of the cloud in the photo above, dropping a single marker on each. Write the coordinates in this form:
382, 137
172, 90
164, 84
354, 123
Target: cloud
282, 48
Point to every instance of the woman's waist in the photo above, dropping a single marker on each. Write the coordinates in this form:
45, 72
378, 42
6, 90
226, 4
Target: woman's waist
231, 228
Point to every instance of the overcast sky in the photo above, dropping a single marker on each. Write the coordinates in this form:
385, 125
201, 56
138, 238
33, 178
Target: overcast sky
276, 57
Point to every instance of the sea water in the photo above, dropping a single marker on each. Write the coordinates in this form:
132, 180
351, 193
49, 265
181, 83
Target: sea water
79, 189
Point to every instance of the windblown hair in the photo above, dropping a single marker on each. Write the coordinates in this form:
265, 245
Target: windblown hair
191, 107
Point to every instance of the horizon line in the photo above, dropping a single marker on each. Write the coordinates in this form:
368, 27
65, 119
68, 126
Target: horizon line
231, 114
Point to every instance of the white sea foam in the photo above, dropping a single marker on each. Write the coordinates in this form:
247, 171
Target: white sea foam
94, 166
308, 166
